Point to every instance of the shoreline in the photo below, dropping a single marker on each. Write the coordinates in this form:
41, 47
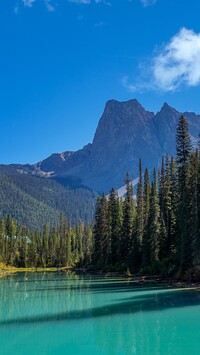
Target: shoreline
11, 270
142, 280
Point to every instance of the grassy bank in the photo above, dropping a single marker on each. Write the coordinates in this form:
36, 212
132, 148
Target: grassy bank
7, 270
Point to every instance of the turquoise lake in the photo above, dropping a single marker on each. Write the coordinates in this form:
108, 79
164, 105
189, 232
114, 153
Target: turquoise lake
57, 314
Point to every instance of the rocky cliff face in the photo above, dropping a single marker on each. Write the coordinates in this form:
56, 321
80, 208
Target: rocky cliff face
123, 136
166, 122
60, 163
126, 132
123, 129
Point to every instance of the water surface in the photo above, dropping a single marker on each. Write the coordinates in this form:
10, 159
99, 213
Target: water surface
57, 314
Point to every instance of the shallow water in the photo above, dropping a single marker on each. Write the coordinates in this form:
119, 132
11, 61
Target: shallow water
56, 314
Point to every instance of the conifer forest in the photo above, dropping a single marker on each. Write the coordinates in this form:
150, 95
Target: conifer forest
153, 230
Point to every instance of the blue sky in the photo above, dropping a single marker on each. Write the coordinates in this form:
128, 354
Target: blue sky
61, 60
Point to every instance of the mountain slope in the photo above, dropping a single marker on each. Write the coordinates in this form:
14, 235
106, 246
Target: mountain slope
23, 207
34, 201
166, 122
122, 130
126, 133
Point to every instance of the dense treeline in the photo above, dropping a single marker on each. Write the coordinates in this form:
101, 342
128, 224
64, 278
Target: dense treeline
34, 201
59, 246
159, 230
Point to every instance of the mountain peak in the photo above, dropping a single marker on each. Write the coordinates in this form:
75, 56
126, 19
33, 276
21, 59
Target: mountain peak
121, 116
133, 102
167, 108
165, 105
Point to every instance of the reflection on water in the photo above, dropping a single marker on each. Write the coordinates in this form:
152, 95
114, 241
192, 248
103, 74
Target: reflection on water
45, 313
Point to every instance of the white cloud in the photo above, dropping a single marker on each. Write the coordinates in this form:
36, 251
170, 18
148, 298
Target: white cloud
86, 2
49, 5
80, 1
139, 86
99, 24
175, 65
179, 61
16, 9
28, 3
146, 3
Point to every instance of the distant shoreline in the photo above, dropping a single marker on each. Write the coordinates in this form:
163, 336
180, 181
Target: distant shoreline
142, 280
6, 270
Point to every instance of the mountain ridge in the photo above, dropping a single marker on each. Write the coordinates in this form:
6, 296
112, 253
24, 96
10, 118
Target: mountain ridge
126, 132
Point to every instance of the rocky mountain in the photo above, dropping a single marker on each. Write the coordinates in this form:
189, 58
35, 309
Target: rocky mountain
166, 122
126, 132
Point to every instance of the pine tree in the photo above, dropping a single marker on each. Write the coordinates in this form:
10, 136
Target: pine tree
171, 236
53, 240
168, 213
96, 234
87, 245
2, 240
12, 241
154, 227
140, 206
127, 224
32, 250
198, 204
146, 203
162, 240
115, 223
138, 232
68, 237
146, 196
183, 152
162, 190
192, 203
102, 241
45, 246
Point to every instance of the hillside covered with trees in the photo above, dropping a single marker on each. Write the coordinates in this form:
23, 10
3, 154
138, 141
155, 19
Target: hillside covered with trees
160, 230
34, 201
156, 233
58, 246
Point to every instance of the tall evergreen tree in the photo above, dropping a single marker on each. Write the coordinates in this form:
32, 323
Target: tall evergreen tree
198, 204
127, 224
183, 152
138, 231
162, 188
102, 240
2, 240
192, 204
140, 206
154, 227
146, 203
115, 223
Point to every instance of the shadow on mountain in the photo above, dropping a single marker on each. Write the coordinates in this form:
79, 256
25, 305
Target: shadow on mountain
70, 182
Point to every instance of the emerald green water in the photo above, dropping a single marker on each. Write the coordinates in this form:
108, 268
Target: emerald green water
59, 314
